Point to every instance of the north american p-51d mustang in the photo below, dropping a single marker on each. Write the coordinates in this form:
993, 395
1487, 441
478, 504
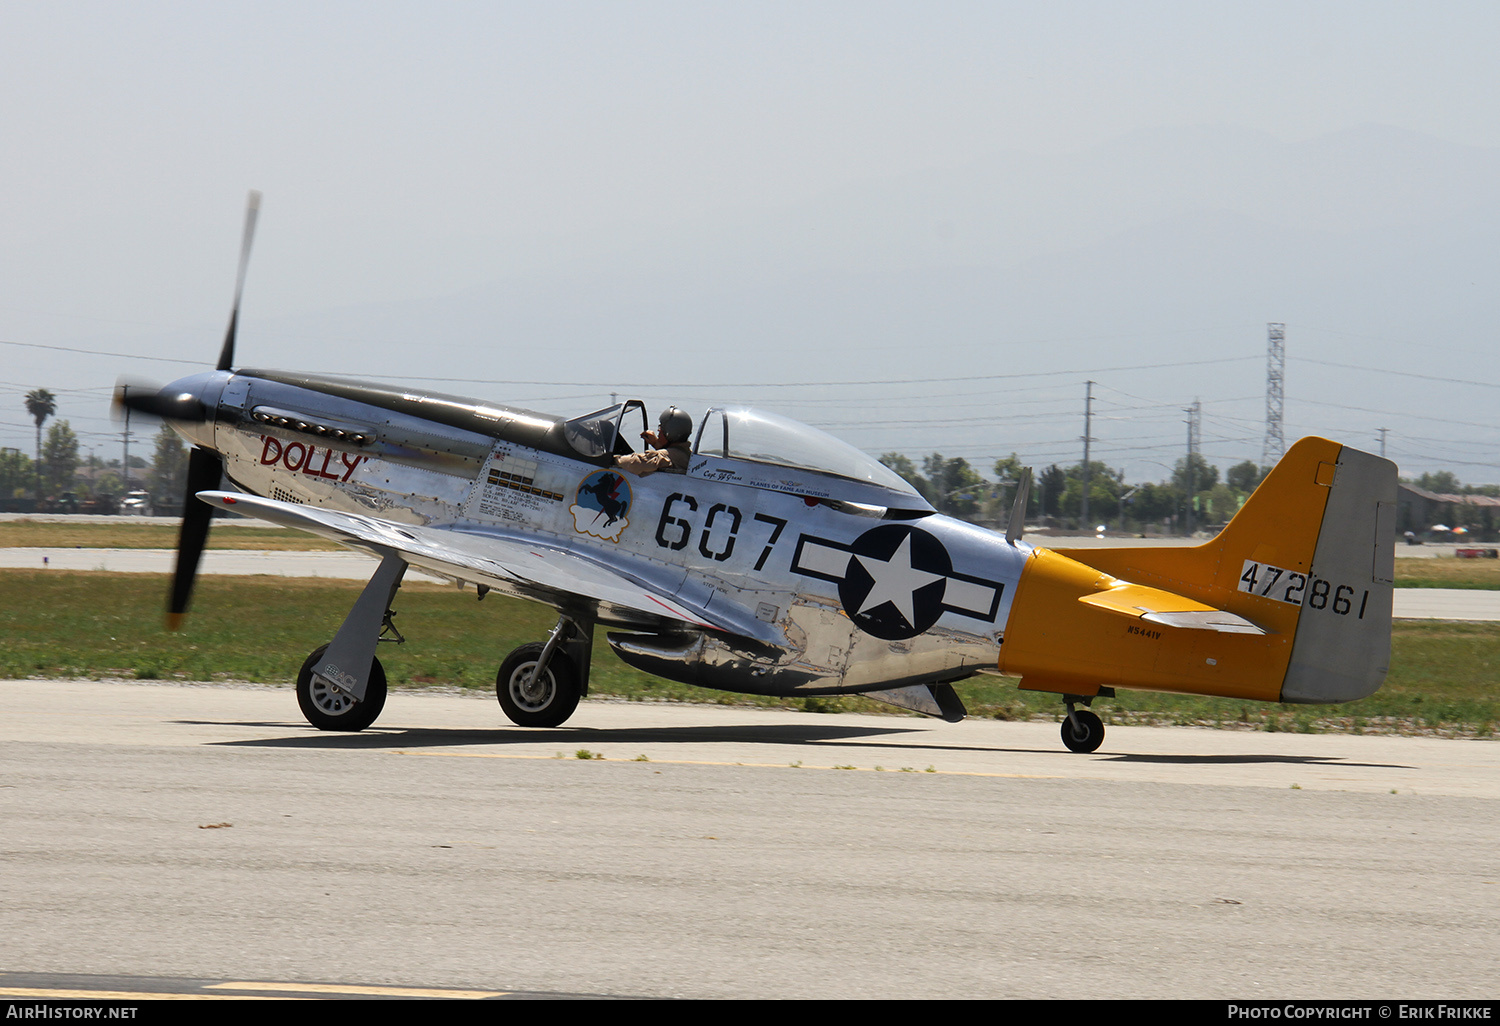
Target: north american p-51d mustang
779, 561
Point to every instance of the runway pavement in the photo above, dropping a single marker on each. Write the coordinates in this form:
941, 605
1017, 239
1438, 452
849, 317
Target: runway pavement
160, 830
207, 833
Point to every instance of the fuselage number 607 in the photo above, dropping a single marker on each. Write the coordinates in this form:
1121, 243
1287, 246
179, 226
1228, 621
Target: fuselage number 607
720, 527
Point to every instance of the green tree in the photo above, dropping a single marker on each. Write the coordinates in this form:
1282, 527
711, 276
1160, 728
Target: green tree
1197, 475
168, 466
1154, 503
60, 455
1220, 503
907, 471
1105, 488
1193, 478
41, 404
1009, 472
1443, 482
15, 471
1244, 477
109, 483
1051, 484
956, 487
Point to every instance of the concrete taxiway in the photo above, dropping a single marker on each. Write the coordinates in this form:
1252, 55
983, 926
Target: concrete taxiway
660, 850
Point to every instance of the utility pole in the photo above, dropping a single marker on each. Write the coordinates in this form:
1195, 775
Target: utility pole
1194, 412
125, 456
1382, 442
1088, 423
1275, 443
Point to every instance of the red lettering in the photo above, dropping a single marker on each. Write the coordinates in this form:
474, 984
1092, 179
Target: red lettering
265, 450
297, 456
323, 470
307, 464
286, 455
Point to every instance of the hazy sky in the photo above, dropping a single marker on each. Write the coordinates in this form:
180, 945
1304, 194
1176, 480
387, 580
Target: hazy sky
570, 166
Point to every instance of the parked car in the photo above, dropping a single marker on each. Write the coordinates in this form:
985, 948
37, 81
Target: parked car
136, 504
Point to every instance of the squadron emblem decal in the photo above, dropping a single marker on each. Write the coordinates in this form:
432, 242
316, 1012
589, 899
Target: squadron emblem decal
895, 581
601, 504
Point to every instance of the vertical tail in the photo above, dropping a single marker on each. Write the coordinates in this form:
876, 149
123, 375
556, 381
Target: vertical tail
1309, 556
1343, 645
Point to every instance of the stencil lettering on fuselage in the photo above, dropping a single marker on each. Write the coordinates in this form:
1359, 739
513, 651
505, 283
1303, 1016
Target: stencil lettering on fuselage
896, 581
516, 489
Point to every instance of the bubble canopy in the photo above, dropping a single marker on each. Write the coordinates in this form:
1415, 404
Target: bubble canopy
742, 433
751, 447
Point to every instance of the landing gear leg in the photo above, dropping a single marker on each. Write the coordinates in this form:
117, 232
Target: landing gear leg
539, 685
1082, 731
342, 684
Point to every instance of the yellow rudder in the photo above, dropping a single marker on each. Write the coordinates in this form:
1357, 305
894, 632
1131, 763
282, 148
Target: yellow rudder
1303, 572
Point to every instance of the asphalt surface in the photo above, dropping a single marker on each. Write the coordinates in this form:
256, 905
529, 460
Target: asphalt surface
204, 840
206, 833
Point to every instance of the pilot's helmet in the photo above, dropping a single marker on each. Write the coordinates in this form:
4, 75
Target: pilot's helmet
675, 425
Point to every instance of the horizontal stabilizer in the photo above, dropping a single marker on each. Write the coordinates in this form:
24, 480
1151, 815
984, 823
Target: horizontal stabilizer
1206, 620
1169, 610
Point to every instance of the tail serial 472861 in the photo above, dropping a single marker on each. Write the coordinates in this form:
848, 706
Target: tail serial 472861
766, 557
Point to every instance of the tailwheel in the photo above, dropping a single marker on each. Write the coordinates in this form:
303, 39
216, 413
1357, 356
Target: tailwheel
546, 701
329, 707
1082, 731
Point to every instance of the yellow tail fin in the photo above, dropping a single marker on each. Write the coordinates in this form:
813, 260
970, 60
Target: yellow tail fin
1310, 557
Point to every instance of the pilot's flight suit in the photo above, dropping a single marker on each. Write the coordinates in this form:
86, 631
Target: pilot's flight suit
673, 459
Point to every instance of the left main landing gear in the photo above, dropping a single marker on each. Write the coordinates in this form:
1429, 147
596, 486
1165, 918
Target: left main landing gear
1082, 730
341, 686
330, 707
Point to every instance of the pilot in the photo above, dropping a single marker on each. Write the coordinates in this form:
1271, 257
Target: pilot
668, 446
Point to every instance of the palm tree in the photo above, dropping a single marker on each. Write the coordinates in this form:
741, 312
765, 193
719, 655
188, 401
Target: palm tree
41, 404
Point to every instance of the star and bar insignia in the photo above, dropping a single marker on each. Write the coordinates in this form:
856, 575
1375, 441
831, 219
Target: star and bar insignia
895, 580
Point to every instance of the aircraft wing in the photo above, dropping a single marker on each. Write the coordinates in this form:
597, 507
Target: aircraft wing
532, 567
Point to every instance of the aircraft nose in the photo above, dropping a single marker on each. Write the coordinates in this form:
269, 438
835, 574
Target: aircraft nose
189, 403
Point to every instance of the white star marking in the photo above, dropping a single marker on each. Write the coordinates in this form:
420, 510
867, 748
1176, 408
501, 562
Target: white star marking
896, 580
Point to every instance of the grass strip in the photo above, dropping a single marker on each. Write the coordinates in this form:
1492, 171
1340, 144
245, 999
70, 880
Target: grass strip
57, 624
236, 533
233, 533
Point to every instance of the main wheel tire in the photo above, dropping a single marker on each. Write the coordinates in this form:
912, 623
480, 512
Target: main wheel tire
329, 709
1083, 731
554, 697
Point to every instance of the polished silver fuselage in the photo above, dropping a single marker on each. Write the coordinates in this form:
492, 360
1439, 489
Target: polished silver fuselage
774, 580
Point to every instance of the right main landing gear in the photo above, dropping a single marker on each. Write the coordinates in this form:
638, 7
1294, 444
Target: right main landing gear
539, 685
537, 699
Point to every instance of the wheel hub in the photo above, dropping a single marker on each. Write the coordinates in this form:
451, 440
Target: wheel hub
533, 696
329, 698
